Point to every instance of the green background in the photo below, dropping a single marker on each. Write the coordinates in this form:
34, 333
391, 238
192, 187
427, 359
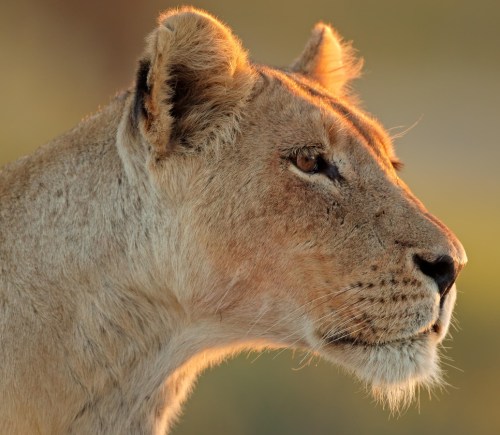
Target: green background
434, 63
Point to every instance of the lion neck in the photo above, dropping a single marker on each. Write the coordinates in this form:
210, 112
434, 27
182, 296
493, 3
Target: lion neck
84, 256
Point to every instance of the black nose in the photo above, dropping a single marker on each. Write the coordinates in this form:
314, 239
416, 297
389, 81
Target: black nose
442, 270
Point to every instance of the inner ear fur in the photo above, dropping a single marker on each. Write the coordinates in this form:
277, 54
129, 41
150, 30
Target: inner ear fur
192, 82
328, 60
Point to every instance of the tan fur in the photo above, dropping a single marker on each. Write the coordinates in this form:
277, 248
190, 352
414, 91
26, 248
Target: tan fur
173, 228
327, 60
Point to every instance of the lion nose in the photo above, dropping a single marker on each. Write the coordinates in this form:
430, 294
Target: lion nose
443, 270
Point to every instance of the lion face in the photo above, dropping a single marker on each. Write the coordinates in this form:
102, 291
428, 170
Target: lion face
297, 229
332, 251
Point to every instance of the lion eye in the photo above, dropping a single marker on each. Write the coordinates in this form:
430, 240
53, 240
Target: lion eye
316, 164
307, 164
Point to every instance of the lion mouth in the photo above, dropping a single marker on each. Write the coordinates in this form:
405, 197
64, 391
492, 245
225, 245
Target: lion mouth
345, 339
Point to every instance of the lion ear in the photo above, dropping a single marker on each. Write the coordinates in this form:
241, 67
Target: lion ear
191, 82
328, 60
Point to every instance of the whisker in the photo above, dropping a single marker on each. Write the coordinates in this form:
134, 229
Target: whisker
301, 366
300, 309
405, 131
452, 366
264, 311
219, 305
338, 331
342, 309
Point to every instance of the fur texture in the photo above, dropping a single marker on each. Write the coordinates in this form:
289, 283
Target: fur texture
179, 225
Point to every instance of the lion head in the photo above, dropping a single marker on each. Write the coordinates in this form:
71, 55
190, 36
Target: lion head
288, 224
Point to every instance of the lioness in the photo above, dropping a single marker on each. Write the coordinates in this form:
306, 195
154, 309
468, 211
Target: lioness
215, 206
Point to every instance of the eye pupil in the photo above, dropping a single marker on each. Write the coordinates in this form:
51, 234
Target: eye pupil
307, 164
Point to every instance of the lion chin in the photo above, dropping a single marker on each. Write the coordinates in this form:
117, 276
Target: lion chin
395, 370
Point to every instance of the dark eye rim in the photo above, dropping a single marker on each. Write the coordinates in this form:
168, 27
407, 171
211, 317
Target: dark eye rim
322, 166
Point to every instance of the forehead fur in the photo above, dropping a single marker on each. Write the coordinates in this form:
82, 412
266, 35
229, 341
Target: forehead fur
303, 93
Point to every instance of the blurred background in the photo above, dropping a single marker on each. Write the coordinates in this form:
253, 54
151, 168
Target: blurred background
436, 64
